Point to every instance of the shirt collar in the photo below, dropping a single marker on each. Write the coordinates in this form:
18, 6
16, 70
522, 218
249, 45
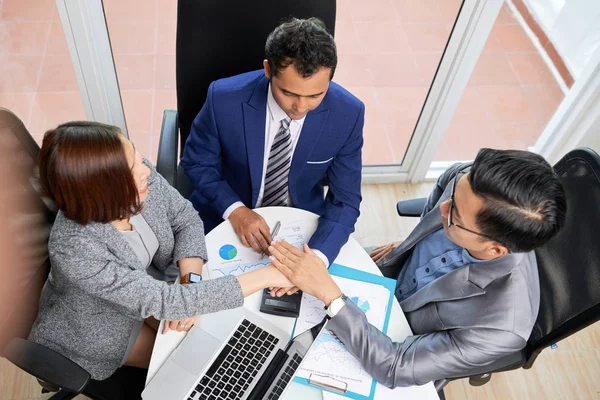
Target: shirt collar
276, 113
468, 258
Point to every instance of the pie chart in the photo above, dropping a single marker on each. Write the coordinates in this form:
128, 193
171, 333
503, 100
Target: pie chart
228, 252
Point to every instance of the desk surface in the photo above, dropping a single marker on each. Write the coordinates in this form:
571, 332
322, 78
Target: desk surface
351, 255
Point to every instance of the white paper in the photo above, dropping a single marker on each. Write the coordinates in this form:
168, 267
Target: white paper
234, 258
327, 355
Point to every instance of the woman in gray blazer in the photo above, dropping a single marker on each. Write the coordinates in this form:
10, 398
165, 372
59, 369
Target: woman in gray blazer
120, 234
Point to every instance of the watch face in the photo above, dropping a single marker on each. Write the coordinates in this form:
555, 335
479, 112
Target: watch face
195, 278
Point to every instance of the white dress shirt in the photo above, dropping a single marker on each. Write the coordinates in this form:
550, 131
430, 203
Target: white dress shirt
274, 115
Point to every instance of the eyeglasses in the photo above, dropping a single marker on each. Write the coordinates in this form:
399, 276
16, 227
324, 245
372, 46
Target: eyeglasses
453, 204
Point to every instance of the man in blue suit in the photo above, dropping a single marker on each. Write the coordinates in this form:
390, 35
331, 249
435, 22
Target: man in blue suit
275, 137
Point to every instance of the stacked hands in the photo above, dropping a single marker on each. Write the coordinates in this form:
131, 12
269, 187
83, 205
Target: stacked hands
296, 269
253, 231
303, 269
306, 270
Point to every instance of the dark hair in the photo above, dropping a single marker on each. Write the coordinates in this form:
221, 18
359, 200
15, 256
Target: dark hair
84, 169
524, 200
306, 43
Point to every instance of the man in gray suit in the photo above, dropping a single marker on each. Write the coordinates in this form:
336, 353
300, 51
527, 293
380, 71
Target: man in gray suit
467, 276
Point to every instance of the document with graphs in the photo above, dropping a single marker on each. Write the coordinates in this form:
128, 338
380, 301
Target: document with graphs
234, 258
328, 361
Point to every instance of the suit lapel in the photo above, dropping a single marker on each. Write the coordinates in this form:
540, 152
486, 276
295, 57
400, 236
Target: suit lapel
117, 244
430, 223
255, 111
311, 130
454, 285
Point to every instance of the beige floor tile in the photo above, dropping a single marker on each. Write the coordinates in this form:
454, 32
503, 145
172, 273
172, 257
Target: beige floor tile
131, 10
28, 10
138, 109
23, 37
132, 37
530, 68
57, 74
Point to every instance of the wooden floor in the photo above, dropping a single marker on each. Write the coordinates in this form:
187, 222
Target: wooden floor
571, 371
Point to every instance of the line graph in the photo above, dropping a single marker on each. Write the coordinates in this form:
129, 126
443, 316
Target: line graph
327, 349
241, 268
328, 356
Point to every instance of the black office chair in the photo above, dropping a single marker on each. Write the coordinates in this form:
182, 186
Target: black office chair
56, 372
568, 265
217, 39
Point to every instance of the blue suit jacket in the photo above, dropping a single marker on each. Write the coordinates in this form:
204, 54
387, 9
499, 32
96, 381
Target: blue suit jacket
224, 156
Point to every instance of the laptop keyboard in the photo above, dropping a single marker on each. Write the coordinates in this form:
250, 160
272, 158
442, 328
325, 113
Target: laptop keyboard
234, 369
285, 378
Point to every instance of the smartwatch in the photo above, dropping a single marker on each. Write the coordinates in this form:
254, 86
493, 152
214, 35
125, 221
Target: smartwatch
190, 278
336, 305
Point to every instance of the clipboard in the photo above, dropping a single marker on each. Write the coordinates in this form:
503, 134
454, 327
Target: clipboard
333, 384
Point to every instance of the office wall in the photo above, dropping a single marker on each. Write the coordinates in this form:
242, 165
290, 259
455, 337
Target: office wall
572, 26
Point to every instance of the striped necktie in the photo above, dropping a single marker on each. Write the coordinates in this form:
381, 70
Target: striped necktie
278, 167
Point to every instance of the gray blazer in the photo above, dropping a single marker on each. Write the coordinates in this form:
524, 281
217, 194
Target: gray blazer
97, 287
467, 318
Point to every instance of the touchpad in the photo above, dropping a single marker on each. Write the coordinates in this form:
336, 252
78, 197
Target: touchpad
196, 350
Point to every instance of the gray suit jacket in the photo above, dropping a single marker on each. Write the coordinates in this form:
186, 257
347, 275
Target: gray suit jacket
97, 287
467, 318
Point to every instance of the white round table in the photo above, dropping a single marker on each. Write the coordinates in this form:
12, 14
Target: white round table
351, 255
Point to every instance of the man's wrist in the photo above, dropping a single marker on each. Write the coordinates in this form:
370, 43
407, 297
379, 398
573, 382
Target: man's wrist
330, 295
232, 208
336, 306
322, 256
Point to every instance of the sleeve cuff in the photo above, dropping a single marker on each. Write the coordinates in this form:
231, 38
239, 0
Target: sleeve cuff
322, 256
232, 208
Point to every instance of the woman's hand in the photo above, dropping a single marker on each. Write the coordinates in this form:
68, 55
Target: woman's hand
183, 325
253, 281
278, 280
305, 270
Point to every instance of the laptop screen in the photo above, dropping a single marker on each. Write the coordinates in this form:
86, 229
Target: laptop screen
282, 368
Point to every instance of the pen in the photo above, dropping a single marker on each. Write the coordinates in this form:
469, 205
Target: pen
275, 230
273, 233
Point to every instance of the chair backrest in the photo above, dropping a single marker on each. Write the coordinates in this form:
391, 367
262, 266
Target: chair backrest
26, 217
569, 265
221, 38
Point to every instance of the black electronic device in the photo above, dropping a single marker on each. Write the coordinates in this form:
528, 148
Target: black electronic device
284, 306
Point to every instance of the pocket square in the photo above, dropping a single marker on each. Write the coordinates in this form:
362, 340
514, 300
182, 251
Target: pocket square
320, 162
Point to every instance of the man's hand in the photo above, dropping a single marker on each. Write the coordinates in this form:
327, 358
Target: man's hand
180, 326
379, 253
305, 270
251, 228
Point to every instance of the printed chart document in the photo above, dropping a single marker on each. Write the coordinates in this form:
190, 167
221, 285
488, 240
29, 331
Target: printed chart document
234, 258
328, 357
404, 393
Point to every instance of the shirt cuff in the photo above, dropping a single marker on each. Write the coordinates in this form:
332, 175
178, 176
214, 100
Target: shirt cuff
232, 208
322, 257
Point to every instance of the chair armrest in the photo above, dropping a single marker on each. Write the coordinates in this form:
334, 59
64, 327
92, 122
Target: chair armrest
46, 365
183, 184
166, 162
411, 208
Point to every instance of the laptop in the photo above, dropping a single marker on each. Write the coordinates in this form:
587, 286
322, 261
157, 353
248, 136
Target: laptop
231, 355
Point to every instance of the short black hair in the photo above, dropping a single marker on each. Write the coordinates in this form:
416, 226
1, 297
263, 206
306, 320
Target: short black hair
306, 43
524, 200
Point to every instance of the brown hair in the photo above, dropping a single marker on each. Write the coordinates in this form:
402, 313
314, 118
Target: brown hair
83, 167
